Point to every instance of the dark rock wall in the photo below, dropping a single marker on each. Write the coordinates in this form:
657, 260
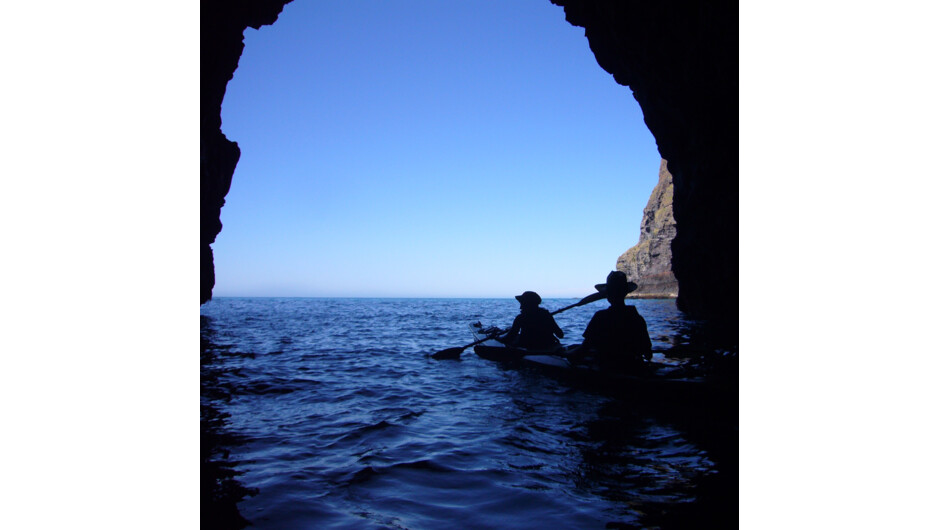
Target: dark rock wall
679, 58
681, 61
221, 28
649, 262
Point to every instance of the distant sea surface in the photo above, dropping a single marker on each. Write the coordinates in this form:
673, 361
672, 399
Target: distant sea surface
328, 413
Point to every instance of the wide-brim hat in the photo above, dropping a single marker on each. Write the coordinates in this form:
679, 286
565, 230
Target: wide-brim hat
615, 280
529, 297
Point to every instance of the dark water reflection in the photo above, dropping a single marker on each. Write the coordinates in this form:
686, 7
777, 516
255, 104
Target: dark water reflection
219, 486
327, 413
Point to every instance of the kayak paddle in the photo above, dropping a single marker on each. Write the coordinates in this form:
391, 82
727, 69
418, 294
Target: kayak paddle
586, 300
454, 353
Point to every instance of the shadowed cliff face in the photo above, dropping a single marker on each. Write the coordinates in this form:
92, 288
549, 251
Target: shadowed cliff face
680, 61
221, 41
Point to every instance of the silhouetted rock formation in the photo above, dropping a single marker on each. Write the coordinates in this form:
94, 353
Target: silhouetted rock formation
221, 41
649, 262
679, 58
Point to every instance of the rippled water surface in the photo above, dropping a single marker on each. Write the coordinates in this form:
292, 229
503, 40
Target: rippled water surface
328, 413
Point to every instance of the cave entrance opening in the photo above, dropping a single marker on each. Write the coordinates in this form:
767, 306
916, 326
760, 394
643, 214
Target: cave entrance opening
456, 150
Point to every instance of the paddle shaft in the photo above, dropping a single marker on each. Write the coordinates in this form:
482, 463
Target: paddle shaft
486, 338
586, 300
454, 353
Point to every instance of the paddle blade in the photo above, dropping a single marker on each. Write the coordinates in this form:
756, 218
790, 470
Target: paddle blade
449, 353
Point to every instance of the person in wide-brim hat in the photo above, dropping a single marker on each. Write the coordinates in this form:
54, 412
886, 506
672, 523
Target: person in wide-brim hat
534, 328
616, 338
529, 298
616, 283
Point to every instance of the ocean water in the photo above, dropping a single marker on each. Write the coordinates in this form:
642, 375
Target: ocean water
328, 413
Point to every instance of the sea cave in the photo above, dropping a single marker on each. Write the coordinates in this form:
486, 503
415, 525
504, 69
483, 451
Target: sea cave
681, 62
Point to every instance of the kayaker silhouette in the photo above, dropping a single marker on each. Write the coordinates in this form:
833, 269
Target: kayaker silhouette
534, 328
616, 337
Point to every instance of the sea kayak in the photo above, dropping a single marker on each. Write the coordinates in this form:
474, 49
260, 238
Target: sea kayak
661, 379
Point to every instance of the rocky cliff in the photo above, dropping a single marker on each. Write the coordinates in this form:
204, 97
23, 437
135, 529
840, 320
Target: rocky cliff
679, 58
649, 262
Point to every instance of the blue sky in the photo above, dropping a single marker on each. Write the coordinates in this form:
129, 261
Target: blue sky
428, 149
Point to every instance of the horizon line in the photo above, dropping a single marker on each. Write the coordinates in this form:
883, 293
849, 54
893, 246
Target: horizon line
381, 297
